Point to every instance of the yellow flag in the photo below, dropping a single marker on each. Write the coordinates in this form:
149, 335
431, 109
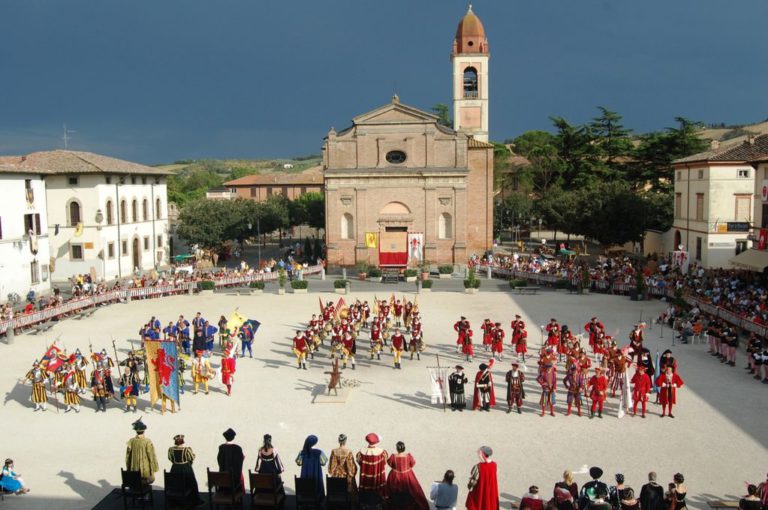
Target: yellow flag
371, 239
236, 319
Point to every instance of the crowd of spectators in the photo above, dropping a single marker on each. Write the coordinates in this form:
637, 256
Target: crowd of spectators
83, 285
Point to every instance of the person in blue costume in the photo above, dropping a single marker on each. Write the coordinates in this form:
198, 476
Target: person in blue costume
312, 461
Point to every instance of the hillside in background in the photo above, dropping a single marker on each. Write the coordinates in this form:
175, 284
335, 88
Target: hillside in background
733, 133
191, 179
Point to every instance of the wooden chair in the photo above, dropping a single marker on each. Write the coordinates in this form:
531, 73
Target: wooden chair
177, 490
227, 490
337, 493
266, 490
370, 500
133, 487
307, 495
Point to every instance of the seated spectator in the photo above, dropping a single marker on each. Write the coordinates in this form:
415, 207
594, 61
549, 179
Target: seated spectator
566, 492
532, 500
445, 494
599, 502
750, 501
11, 481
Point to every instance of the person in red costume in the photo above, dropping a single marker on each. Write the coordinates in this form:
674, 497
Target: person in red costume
641, 387
484, 397
598, 387
668, 382
461, 327
373, 466
402, 482
228, 370
483, 483
466, 347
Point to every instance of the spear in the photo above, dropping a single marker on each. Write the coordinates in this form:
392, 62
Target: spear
117, 360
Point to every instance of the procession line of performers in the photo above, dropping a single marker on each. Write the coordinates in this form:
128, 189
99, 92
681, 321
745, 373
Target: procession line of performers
388, 325
581, 381
59, 373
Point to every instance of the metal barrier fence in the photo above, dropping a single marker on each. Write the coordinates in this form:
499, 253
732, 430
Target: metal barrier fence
83, 303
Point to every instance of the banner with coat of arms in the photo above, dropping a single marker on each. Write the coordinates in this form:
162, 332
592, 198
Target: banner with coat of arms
438, 378
415, 248
371, 239
163, 370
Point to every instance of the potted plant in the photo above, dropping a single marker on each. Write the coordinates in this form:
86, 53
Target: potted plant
410, 275
299, 286
206, 287
374, 274
638, 293
362, 270
425, 270
471, 284
426, 285
514, 283
340, 286
445, 271
282, 279
257, 287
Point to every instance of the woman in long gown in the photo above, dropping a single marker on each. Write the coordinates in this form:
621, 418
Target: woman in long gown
181, 458
401, 479
342, 464
312, 461
268, 460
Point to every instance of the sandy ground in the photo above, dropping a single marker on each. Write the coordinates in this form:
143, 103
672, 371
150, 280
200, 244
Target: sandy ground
717, 440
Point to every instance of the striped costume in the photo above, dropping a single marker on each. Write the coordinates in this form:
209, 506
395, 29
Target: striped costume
38, 376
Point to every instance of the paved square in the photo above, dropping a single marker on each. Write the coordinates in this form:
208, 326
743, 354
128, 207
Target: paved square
718, 439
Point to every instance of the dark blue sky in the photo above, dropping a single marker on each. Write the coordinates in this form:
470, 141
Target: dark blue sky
155, 81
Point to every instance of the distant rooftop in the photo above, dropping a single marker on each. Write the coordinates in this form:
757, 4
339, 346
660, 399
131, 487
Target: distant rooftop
310, 176
751, 149
73, 162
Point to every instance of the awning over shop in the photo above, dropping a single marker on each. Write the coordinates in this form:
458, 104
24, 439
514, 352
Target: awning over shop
756, 260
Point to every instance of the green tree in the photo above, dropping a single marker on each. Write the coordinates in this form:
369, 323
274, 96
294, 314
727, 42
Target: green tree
611, 138
577, 153
515, 209
308, 209
443, 114
209, 223
657, 151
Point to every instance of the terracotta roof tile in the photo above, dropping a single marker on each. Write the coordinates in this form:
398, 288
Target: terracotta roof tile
75, 162
310, 176
750, 150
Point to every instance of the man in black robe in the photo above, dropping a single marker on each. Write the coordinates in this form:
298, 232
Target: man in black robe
456, 382
230, 458
652, 494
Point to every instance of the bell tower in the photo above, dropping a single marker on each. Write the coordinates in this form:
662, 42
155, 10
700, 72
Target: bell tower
470, 77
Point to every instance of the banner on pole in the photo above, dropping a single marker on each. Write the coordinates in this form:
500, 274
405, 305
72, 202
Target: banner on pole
438, 379
163, 370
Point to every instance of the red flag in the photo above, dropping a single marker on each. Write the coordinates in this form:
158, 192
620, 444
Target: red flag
762, 241
51, 360
339, 306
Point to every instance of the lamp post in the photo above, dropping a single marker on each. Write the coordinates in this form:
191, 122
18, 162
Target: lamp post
258, 237
99, 219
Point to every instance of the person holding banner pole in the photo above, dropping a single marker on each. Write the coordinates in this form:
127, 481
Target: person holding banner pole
456, 382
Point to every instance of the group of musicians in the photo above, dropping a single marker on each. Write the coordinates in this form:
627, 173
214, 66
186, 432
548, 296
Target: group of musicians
388, 324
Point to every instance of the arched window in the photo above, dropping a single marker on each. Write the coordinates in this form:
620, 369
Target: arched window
444, 226
145, 209
74, 213
110, 213
123, 212
158, 210
347, 226
470, 82
135, 210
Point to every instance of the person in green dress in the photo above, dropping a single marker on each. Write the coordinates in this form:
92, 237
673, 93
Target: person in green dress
181, 457
140, 454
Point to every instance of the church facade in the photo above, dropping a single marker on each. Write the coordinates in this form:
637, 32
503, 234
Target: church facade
401, 189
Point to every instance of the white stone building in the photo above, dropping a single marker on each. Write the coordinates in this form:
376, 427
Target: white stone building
24, 250
718, 199
106, 217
